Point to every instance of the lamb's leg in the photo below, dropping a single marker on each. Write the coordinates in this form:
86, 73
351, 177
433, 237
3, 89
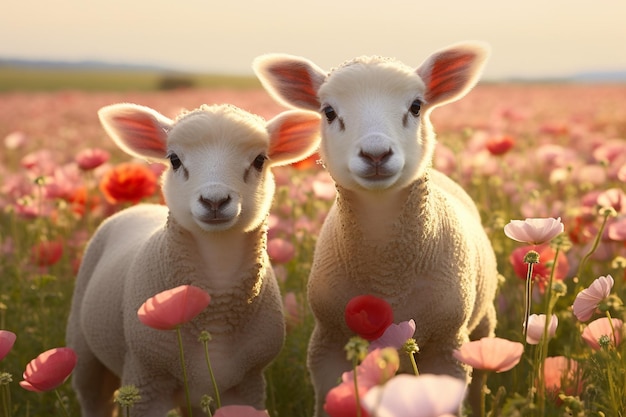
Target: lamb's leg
93, 383
326, 362
251, 391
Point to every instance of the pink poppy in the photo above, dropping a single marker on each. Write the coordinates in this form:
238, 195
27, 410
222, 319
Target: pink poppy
7, 339
534, 230
92, 158
239, 411
368, 316
587, 300
377, 368
490, 354
416, 396
341, 401
601, 328
280, 250
617, 230
560, 374
171, 308
614, 198
395, 336
536, 327
49, 370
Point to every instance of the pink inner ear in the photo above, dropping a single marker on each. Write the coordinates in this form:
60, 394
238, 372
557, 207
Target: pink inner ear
296, 84
294, 136
142, 135
448, 74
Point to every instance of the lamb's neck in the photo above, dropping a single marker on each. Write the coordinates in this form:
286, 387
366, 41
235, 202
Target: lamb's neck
223, 260
377, 216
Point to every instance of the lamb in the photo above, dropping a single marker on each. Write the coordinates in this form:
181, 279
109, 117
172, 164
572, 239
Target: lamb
399, 229
212, 234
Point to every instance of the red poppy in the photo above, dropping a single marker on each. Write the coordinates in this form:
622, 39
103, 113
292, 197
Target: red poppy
128, 182
368, 316
499, 145
7, 339
49, 370
171, 308
46, 253
541, 270
340, 401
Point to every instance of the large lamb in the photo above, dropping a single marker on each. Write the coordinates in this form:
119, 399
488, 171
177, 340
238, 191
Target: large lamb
212, 234
398, 229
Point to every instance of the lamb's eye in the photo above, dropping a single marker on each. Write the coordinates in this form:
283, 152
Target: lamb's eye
259, 161
174, 160
330, 114
415, 108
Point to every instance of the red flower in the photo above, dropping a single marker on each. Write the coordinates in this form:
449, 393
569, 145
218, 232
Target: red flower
499, 145
340, 401
128, 182
368, 316
89, 159
49, 370
171, 308
7, 339
46, 253
541, 271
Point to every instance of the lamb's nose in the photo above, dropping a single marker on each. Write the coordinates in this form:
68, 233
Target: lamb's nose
376, 158
214, 204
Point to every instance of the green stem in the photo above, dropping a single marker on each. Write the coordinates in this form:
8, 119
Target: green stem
67, 414
412, 356
594, 246
483, 393
208, 362
528, 298
6, 400
182, 363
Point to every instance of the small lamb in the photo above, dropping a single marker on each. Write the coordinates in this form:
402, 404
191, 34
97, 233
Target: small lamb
212, 234
398, 229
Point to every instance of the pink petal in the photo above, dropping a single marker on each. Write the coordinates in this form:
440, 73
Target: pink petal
174, 307
536, 327
395, 336
490, 353
601, 327
534, 230
376, 369
415, 396
588, 299
7, 339
49, 370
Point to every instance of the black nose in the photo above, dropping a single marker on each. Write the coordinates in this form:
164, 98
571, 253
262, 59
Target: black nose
214, 204
375, 158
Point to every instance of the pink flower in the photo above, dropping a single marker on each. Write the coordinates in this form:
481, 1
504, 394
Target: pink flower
534, 230
378, 367
617, 230
536, 326
587, 300
341, 401
416, 396
600, 329
239, 411
615, 198
395, 336
171, 308
49, 370
490, 353
368, 316
92, 158
560, 374
7, 339
280, 250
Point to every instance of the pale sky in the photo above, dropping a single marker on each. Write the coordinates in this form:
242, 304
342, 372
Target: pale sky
528, 38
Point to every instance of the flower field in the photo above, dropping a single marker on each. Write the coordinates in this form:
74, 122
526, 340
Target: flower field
520, 150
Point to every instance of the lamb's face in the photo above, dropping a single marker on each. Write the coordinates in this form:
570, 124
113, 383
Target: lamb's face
218, 179
372, 130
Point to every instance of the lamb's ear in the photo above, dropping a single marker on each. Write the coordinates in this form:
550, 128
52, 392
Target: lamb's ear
291, 80
137, 130
451, 72
294, 135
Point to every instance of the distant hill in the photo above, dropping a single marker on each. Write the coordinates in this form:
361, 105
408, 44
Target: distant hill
89, 65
